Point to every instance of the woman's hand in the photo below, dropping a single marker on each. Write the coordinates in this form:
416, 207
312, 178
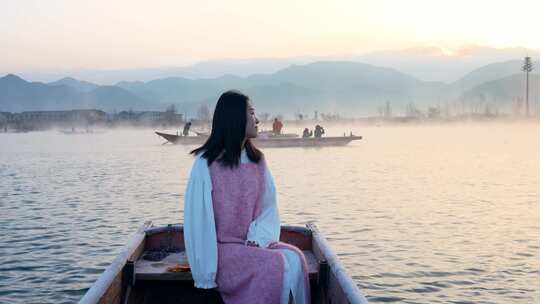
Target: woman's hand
251, 243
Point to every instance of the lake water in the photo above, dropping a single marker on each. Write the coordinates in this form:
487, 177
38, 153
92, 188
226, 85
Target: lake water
417, 214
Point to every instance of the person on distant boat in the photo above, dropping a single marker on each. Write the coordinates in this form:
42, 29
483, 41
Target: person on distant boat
319, 131
276, 126
307, 133
187, 126
231, 219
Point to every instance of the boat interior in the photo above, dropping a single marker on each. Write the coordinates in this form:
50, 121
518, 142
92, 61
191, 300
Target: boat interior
155, 269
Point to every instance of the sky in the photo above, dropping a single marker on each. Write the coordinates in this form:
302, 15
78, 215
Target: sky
54, 35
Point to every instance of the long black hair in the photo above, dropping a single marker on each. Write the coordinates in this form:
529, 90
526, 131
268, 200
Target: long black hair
228, 132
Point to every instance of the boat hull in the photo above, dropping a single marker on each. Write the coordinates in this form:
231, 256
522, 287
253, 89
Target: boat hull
285, 142
132, 279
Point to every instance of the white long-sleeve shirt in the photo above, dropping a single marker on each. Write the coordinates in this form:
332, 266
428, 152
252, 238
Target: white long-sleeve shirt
200, 231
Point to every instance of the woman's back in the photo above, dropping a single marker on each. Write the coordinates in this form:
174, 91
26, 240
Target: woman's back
231, 208
236, 198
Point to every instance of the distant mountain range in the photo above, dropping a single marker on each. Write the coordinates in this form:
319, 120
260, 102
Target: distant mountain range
83, 86
500, 92
17, 94
327, 86
449, 66
424, 63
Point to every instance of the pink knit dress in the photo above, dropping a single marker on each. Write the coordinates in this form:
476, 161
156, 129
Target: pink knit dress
245, 274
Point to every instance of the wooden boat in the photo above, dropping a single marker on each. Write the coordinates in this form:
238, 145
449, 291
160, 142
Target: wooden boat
271, 142
184, 140
133, 279
268, 134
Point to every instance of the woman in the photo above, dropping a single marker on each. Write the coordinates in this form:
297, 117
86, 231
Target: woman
231, 218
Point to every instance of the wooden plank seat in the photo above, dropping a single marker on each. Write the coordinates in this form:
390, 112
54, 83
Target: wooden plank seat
157, 270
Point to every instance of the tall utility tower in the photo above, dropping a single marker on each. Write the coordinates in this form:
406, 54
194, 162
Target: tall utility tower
527, 68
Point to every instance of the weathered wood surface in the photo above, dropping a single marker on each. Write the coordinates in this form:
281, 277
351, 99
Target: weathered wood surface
157, 270
338, 287
108, 287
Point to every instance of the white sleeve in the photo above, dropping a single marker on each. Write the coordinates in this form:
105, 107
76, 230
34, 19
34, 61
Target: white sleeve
265, 228
199, 226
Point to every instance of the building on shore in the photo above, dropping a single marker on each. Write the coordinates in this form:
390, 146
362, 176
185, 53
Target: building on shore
148, 118
152, 118
42, 120
5, 118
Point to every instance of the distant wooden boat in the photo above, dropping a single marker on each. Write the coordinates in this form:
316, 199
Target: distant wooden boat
137, 276
271, 142
183, 140
271, 134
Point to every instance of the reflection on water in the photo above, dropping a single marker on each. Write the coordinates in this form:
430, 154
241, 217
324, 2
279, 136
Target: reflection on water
439, 214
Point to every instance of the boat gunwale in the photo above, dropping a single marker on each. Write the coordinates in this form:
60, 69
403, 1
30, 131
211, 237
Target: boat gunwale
105, 280
349, 287
178, 227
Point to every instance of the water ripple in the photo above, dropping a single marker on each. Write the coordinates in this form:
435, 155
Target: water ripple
414, 216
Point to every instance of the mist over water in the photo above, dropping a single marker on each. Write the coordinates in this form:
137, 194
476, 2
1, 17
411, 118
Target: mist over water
418, 214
